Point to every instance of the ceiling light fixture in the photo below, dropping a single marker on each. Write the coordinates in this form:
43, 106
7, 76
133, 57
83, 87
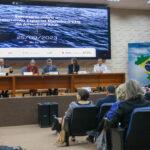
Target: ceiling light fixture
148, 2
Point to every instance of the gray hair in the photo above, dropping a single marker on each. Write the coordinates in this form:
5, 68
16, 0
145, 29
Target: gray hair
32, 61
121, 92
49, 60
133, 90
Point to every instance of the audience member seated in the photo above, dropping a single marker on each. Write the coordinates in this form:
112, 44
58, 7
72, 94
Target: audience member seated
50, 68
100, 67
120, 94
5, 69
134, 99
73, 67
82, 100
110, 98
147, 93
34, 69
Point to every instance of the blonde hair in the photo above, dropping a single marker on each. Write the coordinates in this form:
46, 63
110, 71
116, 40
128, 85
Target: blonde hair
121, 92
133, 90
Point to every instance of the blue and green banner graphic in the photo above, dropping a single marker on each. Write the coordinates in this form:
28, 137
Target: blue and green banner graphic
139, 62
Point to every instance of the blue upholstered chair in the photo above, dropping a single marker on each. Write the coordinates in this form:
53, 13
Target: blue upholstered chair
137, 136
104, 109
83, 119
23, 70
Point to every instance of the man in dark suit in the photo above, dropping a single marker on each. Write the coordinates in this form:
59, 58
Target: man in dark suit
50, 68
6, 69
110, 98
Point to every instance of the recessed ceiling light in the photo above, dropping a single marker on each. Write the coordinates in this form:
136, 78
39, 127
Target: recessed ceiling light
148, 2
113, 0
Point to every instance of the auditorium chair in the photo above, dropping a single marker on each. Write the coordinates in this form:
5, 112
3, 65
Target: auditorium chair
3, 147
103, 110
82, 120
93, 134
137, 136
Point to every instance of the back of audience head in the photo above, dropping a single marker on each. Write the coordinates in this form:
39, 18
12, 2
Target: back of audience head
83, 95
110, 90
133, 90
121, 92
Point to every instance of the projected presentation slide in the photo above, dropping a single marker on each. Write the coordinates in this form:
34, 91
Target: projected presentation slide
53, 31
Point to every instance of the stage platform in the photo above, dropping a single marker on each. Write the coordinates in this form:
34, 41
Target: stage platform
24, 111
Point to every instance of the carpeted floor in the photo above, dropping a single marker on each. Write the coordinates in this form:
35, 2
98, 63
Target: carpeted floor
32, 137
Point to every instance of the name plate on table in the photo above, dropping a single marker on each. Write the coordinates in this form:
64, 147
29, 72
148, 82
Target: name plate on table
107, 71
82, 72
53, 73
2, 73
28, 73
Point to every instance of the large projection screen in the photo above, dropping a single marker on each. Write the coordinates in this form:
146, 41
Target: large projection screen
41, 30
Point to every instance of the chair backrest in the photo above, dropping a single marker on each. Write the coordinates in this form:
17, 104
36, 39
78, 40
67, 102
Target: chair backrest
23, 70
104, 109
83, 119
138, 133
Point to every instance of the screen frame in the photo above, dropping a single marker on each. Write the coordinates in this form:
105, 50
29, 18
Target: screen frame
103, 54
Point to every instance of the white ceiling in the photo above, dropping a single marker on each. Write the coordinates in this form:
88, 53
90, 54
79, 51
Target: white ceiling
126, 4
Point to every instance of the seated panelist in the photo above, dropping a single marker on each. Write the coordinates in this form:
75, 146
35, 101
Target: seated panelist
32, 67
100, 67
73, 67
50, 68
5, 69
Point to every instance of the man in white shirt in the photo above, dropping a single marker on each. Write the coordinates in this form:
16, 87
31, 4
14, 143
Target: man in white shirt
100, 67
6, 69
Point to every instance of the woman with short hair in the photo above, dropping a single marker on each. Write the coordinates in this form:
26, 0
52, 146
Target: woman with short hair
120, 94
82, 100
73, 67
32, 67
134, 99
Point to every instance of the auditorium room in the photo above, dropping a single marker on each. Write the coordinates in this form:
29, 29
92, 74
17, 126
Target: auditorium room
74, 74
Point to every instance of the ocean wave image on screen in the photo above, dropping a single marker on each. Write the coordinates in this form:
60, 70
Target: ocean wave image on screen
80, 27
